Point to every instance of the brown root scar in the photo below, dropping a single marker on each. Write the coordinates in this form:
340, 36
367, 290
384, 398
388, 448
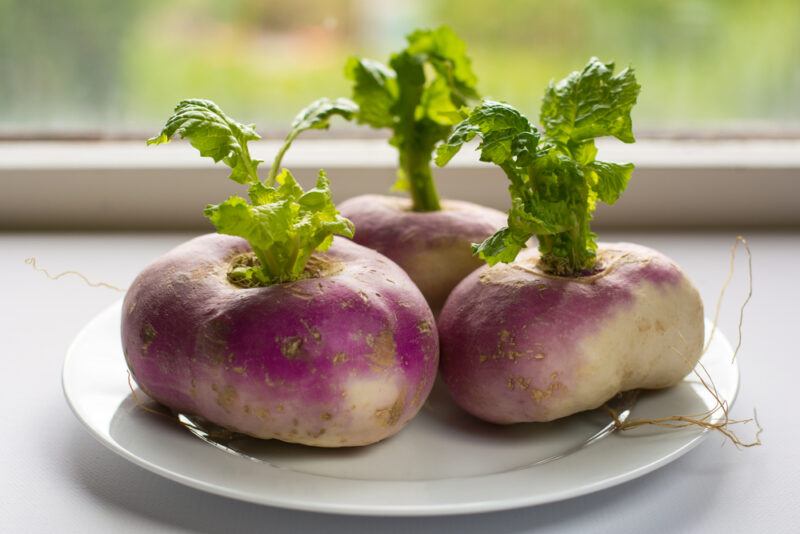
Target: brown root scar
384, 349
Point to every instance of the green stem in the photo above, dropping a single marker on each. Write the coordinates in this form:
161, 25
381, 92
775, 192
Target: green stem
296, 258
513, 176
270, 269
416, 167
566, 253
276, 163
252, 167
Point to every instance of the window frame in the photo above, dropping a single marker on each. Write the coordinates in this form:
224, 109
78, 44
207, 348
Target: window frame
123, 185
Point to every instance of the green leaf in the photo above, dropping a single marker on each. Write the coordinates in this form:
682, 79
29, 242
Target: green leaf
506, 135
288, 186
282, 223
283, 226
436, 105
317, 115
374, 90
463, 133
590, 103
504, 132
555, 179
261, 194
215, 135
235, 216
322, 219
410, 71
502, 246
611, 179
584, 153
419, 96
447, 53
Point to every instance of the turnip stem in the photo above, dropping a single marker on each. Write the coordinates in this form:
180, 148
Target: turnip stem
415, 166
276, 163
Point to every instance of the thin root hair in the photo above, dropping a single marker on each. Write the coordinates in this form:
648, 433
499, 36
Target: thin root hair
32, 262
708, 420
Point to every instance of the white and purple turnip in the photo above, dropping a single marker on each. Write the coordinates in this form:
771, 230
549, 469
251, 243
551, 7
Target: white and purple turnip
344, 356
283, 328
539, 336
433, 247
521, 345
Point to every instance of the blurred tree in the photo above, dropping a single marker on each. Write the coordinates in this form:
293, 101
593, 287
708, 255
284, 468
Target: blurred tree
60, 60
120, 66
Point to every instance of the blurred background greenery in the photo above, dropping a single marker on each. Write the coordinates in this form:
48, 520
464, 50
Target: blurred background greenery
116, 68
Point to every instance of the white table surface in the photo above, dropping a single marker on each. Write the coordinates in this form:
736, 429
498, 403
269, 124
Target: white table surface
55, 478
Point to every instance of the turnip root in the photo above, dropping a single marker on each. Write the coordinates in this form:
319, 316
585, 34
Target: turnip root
539, 336
433, 247
345, 356
281, 328
520, 345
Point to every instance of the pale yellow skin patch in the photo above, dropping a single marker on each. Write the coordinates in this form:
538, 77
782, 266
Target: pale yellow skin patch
374, 403
368, 407
652, 344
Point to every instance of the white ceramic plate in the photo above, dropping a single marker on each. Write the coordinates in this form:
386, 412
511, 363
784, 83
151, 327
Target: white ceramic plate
444, 462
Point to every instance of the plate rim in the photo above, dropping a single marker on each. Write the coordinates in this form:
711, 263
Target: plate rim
387, 510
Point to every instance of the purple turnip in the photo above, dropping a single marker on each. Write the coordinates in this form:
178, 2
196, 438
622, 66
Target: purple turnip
519, 344
539, 336
433, 247
280, 329
418, 97
344, 356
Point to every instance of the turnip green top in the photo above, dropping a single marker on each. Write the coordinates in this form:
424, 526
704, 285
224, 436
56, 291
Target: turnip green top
283, 224
555, 179
417, 96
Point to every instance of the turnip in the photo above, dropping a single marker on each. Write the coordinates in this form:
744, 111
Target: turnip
433, 247
539, 336
279, 329
417, 96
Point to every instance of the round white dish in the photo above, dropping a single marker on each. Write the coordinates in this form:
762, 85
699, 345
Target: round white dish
443, 462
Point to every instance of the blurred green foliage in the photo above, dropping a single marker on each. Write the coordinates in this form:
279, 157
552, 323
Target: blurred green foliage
111, 67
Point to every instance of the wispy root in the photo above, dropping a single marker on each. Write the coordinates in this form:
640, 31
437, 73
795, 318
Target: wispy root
723, 424
212, 433
32, 262
717, 417
743, 242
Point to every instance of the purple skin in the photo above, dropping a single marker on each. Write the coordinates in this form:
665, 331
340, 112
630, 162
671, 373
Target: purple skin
520, 346
345, 357
433, 247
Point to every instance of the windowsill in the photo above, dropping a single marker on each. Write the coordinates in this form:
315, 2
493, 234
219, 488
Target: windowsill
126, 185
376, 153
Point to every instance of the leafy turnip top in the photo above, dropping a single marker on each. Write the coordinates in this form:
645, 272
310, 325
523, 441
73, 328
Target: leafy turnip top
282, 223
417, 96
555, 179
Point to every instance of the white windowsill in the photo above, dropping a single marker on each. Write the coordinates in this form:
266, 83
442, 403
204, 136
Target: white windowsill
365, 153
71, 185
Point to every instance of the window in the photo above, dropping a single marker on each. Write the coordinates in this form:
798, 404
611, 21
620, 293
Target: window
94, 67
109, 73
